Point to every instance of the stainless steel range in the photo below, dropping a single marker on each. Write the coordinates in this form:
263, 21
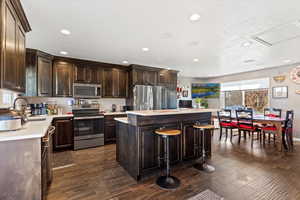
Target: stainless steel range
88, 128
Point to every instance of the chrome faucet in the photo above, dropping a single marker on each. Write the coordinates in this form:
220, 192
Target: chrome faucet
21, 112
18, 98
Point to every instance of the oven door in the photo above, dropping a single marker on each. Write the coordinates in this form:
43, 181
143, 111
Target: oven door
86, 90
88, 127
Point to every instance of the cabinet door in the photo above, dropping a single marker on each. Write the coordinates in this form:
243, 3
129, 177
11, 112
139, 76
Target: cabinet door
123, 84
150, 78
63, 137
107, 83
44, 76
94, 75
190, 139
110, 134
63, 79
21, 54
80, 74
138, 77
9, 49
149, 148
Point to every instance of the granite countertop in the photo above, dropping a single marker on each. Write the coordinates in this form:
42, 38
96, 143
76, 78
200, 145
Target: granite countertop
31, 130
170, 112
122, 119
115, 113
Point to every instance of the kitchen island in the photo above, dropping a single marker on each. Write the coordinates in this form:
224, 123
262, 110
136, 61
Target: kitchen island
139, 149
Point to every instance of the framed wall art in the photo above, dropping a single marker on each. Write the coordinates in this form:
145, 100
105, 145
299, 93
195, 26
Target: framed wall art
280, 92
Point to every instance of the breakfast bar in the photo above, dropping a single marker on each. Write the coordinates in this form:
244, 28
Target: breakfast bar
139, 150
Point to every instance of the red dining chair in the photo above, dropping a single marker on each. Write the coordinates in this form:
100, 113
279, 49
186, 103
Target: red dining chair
225, 122
287, 131
269, 128
272, 112
245, 124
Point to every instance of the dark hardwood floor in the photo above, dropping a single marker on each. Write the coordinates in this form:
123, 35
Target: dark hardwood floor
242, 173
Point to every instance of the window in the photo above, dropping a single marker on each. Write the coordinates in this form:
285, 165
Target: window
250, 93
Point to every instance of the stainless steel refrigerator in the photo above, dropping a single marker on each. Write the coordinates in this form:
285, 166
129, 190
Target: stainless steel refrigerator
153, 98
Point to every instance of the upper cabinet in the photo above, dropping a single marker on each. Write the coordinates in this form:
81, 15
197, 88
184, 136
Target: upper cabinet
62, 78
168, 78
38, 73
14, 26
83, 73
115, 83
144, 75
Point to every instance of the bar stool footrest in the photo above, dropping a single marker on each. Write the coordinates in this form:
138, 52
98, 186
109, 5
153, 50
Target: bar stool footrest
168, 182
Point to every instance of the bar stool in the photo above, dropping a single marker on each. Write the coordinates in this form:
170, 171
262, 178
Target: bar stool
203, 166
167, 181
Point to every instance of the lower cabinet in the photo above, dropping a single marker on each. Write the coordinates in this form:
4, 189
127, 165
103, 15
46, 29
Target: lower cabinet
152, 147
63, 137
191, 138
110, 128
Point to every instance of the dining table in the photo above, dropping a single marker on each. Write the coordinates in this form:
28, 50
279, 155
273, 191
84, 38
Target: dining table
277, 122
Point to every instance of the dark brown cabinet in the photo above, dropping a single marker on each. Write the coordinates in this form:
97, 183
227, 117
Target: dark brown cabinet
168, 78
144, 75
108, 86
14, 26
62, 79
87, 74
110, 128
80, 74
115, 83
63, 137
38, 73
21, 54
152, 147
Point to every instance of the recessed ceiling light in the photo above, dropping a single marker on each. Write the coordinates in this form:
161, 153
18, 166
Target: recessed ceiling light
247, 44
196, 60
125, 62
287, 61
194, 17
145, 49
63, 52
65, 32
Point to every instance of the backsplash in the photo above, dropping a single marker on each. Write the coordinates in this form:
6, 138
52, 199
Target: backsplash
7, 98
66, 103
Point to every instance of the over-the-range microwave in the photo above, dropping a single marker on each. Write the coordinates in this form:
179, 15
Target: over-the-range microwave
83, 90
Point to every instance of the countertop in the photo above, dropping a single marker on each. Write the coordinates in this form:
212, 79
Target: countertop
115, 113
170, 112
122, 119
31, 130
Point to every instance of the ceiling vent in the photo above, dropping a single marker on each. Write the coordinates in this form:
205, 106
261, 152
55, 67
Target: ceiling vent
261, 41
279, 34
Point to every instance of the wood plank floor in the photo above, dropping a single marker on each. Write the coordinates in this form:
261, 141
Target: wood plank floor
242, 173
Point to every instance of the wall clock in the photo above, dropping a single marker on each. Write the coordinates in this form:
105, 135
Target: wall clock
295, 75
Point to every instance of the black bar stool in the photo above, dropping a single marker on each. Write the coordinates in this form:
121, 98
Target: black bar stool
167, 181
203, 166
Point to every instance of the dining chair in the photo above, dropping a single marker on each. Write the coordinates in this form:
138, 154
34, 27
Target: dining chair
287, 135
245, 123
225, 122
288, 130
270, 112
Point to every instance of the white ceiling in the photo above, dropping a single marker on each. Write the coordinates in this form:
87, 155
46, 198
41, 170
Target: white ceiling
116, 30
